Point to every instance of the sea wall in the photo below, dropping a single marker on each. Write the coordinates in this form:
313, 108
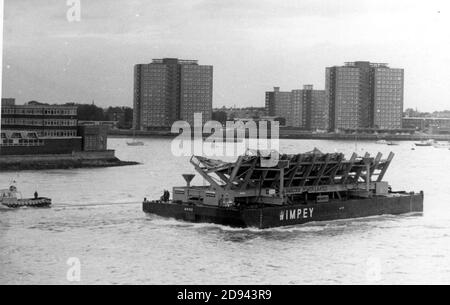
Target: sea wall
61, 161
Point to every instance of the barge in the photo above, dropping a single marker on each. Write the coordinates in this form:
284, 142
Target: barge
298, 189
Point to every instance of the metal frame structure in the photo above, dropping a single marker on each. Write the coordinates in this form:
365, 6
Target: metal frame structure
313, 172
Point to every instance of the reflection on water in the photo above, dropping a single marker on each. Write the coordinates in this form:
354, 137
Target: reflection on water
97, 218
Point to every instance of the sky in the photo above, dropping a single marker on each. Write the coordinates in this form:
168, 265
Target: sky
254, 45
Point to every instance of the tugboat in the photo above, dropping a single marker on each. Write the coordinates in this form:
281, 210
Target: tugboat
300, 188
9, 198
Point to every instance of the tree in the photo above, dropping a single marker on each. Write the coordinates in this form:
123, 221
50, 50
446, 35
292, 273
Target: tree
220, 116
281, 120
90, 113
36, 103
128, 117
122, 115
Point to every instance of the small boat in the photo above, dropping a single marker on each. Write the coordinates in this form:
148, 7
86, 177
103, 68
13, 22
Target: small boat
9, 198
441, 145
135, 142
425, 143
382, 142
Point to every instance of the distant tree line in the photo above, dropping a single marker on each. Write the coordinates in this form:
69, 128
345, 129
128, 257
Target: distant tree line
220, 116
417, 114
91, 112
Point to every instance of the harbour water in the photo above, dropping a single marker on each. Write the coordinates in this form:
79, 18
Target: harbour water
97, 219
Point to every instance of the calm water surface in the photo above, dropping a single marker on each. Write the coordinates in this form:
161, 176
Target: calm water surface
97, 218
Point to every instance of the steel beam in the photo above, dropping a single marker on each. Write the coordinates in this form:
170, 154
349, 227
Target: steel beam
235, 171
385, 167
349, 168
322, 170
335, 170
309, 170
249, 174
295, 170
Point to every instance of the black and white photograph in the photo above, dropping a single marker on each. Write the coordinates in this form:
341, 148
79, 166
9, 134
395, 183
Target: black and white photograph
225, 149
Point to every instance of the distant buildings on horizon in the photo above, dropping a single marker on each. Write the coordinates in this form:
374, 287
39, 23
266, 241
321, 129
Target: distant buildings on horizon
170, 89
303, 108
365, 95
358, 95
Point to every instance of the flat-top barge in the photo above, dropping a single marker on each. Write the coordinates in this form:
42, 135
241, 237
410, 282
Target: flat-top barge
296, 189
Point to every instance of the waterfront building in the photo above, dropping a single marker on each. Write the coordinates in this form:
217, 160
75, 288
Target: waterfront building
364, 95
44, 120
8, 101
109, 124
388, 89
168, 90
303, 108
310, 110
279, 103
433, 125
298, 101
37, 128
93, 137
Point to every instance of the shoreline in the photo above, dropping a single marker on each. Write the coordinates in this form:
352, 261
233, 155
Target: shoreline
72, 161
296, 135
49, 166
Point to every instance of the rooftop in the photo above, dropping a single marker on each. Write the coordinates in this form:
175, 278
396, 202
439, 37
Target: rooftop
371, 64
175, 60
37, 105
427, 118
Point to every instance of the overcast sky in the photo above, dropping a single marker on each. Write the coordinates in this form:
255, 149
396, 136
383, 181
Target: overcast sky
252, 44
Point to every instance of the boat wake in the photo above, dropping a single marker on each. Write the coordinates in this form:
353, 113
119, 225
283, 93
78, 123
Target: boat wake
327, 228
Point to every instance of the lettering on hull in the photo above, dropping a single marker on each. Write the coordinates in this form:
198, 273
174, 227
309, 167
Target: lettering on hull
296, 214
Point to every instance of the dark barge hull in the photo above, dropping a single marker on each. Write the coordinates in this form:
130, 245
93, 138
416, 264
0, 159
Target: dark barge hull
269, 217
